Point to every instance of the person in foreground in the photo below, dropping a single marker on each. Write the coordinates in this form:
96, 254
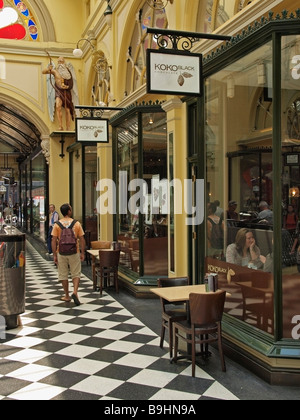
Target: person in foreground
64, 258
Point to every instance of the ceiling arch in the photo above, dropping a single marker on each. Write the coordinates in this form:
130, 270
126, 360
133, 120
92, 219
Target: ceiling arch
17, 134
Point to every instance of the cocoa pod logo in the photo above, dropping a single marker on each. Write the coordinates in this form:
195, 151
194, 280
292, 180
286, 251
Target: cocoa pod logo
96, 134
182, 77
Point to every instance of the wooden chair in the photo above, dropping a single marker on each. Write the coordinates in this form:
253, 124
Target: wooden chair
206, 312
100, 245
258, 306
107, 268
171, 312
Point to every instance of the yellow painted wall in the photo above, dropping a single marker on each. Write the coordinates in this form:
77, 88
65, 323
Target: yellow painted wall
69, 19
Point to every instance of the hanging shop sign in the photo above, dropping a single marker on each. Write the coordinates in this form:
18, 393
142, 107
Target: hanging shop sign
174, 72
92, 130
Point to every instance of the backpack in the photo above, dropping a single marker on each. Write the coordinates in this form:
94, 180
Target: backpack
67, 242
217, 236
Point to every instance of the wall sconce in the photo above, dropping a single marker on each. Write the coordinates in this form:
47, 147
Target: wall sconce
230, 87
158, 4
78, 53
108, 14
294, 192
261, 74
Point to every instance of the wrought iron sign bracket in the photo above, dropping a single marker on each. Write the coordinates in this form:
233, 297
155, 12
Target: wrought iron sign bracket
181, 40
94, 111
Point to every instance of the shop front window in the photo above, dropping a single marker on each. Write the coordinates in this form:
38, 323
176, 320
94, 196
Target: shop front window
291, 182
38, 196
143, 220
90, 182
76, 189
239, 225
128, 221
156, 221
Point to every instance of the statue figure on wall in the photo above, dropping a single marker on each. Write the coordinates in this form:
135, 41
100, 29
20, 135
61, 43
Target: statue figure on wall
62, 92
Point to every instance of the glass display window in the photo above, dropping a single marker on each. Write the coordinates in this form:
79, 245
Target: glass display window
239, 174
142, 167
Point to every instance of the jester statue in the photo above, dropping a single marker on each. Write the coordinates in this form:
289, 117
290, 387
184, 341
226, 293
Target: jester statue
62, 92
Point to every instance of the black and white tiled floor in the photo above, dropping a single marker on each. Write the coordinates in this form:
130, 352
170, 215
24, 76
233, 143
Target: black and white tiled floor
96, 351
107, 349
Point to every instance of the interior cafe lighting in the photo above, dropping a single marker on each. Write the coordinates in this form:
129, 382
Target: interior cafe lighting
294, 192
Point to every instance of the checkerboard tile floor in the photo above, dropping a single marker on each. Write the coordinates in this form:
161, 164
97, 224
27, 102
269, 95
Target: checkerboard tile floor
98, 350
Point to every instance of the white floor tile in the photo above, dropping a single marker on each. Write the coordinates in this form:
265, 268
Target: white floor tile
25, 342
123, 346
32, 373
52, 310
103, 325
220, 392
171, 395
64, 327
112, 334
37, 392
77, 351
58, 318
97, 316
137, 360
24, 331
86, 366
200, 373
153, 378
70, 338
28, 356
97, 385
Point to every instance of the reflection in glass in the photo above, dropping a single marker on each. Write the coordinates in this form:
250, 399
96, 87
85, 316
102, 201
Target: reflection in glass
90, 179
143, 205
290, 181
239, 181
156, 221
38, 195
128, 223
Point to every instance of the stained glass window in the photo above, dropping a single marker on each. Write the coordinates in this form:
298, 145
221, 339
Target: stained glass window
17, 21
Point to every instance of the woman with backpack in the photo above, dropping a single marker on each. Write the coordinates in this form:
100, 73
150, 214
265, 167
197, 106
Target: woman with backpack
68, 246
215, 232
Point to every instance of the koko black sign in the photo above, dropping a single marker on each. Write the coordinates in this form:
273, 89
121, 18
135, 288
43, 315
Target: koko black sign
175, 73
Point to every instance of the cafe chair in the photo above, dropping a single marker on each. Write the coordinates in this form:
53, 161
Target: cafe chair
100, 245
175, 311
258, 307
204, 327
108, 268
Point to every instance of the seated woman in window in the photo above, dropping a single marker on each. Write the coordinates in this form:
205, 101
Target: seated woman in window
244, 251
